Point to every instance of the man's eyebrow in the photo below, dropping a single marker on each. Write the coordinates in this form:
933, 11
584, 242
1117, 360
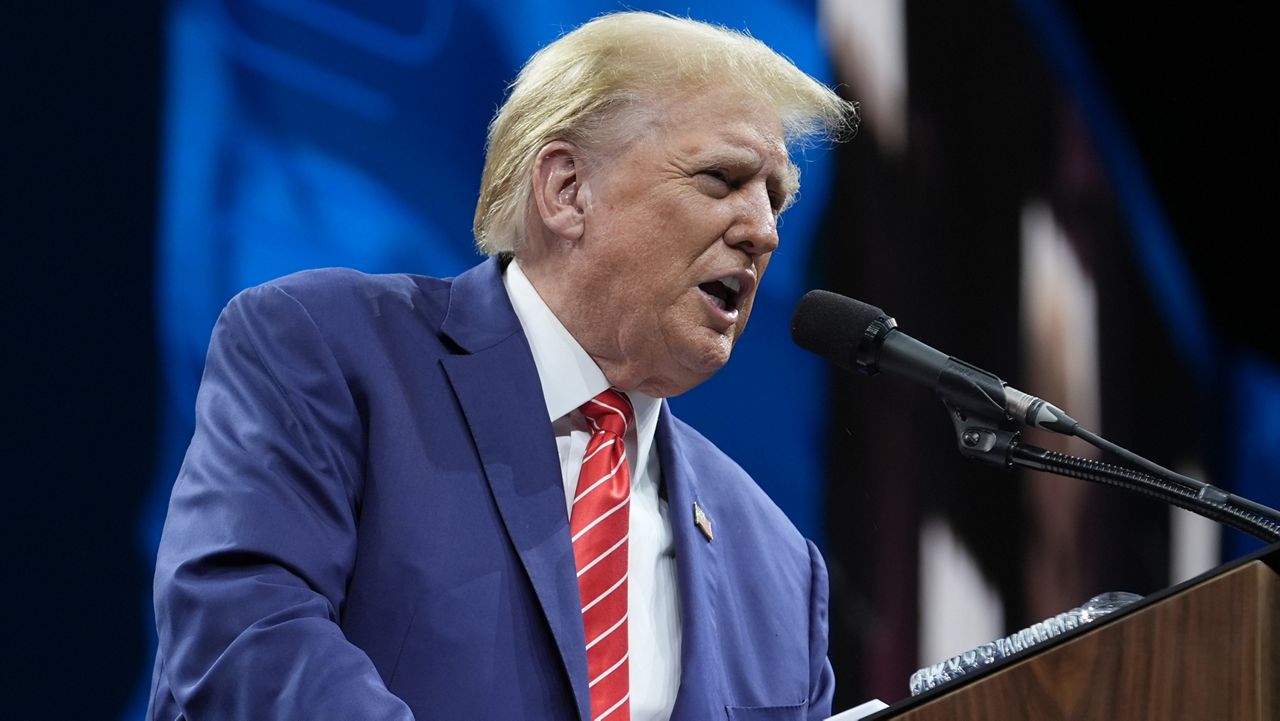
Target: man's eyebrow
789, 180
728, 155
787, 172
785, 178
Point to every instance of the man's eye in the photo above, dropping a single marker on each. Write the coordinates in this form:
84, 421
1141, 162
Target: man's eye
715, 183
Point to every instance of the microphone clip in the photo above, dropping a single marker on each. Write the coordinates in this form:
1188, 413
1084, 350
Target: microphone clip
975, 401
983, 438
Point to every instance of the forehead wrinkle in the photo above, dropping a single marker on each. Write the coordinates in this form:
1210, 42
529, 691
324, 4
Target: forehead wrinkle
748, 139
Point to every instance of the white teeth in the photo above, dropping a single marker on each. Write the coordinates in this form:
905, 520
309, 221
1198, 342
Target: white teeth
732, 284
719, 302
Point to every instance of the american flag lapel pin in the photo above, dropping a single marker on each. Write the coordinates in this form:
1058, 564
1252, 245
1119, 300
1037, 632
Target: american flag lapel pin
702, 521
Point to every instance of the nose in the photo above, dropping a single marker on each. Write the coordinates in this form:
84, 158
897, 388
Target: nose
755, 227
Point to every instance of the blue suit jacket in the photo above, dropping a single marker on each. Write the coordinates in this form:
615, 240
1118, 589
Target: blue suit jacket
370, 524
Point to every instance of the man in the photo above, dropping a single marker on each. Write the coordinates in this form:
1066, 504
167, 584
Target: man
465, 499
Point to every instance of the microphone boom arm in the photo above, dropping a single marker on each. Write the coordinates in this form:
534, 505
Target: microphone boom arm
1214, 506
983, 437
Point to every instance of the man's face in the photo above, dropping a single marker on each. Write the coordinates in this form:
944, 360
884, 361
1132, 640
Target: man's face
678, 231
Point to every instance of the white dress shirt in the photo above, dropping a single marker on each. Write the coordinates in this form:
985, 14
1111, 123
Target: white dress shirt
570, 378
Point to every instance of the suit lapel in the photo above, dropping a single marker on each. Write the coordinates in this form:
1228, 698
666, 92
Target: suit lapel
698, 571
497, 385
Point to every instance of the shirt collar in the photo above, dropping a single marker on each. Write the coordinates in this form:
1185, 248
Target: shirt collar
569, 376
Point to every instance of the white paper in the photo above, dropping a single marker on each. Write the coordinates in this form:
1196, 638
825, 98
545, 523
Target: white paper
862, 710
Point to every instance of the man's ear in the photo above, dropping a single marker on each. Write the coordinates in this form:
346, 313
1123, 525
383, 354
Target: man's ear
557, 174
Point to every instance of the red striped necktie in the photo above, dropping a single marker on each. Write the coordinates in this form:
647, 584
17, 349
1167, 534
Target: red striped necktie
598, 524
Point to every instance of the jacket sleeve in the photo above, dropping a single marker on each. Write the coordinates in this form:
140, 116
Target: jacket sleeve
260, 538
821, 677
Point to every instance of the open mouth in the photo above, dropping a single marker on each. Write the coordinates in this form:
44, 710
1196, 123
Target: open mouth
724, 292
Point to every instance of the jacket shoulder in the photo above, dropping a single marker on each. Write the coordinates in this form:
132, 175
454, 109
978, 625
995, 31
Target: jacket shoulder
334, 290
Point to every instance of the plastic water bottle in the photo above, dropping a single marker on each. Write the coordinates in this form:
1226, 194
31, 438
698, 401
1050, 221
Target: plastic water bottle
957, 666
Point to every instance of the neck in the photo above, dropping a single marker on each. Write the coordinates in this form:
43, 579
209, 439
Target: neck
597, 329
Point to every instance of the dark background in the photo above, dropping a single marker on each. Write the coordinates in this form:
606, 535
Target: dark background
82, 373
1192, 83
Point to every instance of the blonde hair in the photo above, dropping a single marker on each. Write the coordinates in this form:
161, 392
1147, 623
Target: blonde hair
592, 86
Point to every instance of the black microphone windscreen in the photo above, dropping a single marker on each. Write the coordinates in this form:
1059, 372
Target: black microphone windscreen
832, 325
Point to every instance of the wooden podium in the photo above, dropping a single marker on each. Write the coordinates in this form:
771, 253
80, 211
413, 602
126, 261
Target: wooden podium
1204, 650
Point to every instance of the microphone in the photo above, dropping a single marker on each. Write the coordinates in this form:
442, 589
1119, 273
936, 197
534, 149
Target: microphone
858, 336
861, 337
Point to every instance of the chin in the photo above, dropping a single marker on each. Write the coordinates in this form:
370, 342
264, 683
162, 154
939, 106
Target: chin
694, 353
708, 355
